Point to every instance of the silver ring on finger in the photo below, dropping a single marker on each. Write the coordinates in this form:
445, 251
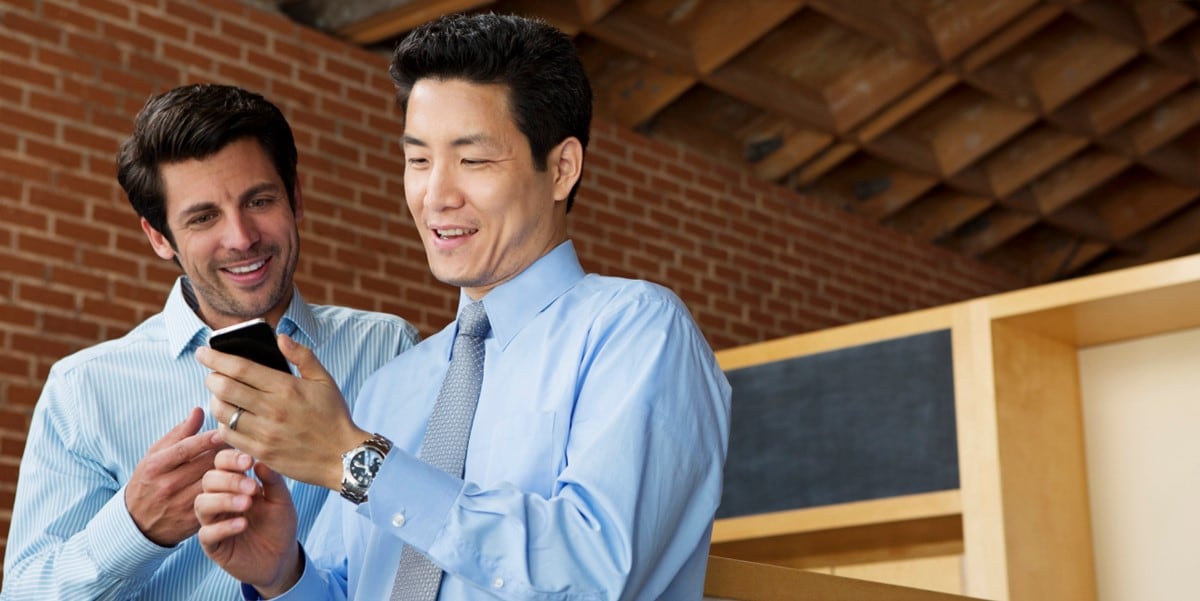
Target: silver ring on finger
233, 419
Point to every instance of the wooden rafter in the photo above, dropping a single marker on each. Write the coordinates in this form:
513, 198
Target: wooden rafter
1050, 137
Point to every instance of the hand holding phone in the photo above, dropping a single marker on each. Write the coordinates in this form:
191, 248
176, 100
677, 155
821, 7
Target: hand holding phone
254, 340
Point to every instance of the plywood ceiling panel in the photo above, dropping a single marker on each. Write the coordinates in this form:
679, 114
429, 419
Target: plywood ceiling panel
1049, 138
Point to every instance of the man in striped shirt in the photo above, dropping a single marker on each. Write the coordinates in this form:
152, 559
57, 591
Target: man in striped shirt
120, 437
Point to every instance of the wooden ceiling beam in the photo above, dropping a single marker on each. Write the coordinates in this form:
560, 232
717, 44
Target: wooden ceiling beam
1074, 59
646, 37
1137, 201
955, 131
633, 97
1070, 265
964, 137
1178, 161
760, 87
1171, 238
1161, 20
904, 107
972, 180
1060, 61
1159, 125
1118, 99
956, 27
1010, 84
1046, 253
722, 30
1113, 18
563, 15
883, 21
988, 231
1068, 182
1053, 262
1015, 33
1081, 221
908, 149
1180, 51
1138, 23
594, 10
795, 149
677, 126
871, 187
369, 21
1029, 155
824, 162
937, 215
1022, 200
891, 75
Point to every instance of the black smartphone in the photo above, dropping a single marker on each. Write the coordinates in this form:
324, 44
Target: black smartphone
254, 340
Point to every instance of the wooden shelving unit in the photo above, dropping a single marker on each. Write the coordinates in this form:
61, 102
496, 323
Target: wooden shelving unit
1019, 524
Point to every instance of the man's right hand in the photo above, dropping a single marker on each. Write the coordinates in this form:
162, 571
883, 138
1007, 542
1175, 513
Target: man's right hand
247, 530
163, 486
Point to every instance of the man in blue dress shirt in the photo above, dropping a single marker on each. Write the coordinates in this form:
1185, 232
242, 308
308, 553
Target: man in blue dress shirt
594, 463
119, 439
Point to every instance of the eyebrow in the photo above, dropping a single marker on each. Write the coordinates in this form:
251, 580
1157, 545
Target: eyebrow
470, 140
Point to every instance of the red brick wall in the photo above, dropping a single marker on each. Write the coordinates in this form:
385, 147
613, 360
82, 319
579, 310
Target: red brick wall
752, 261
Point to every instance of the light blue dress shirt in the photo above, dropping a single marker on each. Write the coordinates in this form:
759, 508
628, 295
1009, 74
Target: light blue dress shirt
595, 460
101, 409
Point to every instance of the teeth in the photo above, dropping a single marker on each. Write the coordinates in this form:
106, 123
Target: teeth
452, 233
247, 268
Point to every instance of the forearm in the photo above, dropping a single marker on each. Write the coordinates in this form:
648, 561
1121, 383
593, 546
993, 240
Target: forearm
610, 528
57, 552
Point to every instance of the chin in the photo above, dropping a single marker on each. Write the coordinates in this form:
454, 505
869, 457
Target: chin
459, 280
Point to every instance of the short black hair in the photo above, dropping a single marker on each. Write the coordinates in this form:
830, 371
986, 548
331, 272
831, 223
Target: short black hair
195, 122
549, 93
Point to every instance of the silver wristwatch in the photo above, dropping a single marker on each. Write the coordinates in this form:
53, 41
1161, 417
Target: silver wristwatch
359, 466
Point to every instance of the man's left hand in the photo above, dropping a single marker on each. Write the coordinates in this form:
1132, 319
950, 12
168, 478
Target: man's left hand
297, 426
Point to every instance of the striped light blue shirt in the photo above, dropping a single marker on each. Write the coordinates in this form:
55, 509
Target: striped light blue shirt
594, 465
101, 409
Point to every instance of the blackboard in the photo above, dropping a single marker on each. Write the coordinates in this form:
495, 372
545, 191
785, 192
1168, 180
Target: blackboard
860, 423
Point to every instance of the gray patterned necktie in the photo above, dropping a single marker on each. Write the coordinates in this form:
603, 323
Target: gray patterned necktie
445, 442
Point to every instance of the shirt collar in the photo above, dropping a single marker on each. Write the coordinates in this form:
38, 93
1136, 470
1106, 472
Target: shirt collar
186, 331
514, 303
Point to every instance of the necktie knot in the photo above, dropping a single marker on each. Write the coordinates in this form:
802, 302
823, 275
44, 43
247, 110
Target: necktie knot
474, 321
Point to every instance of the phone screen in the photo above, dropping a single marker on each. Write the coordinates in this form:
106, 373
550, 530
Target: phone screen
254, 340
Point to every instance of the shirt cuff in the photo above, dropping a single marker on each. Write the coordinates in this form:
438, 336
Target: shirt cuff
411, 499
118, 546
310, 585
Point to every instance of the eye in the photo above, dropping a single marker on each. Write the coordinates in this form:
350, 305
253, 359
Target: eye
417, 161
202, 219
256, 203
475, 161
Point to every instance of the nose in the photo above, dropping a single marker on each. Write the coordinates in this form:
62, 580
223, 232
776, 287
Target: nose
441, 188
240, 232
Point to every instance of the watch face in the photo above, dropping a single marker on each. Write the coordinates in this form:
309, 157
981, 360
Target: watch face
364, 465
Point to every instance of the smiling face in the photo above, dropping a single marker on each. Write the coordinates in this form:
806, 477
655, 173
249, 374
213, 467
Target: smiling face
235, 233
483, 211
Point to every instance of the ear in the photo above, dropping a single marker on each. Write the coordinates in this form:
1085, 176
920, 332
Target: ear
298, 205
162, 247
566, 161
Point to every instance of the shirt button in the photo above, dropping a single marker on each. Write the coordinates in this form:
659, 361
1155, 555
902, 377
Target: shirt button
498, 583
398, 519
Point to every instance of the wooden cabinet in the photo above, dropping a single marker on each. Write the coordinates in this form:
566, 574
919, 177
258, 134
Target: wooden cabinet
1019, 527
